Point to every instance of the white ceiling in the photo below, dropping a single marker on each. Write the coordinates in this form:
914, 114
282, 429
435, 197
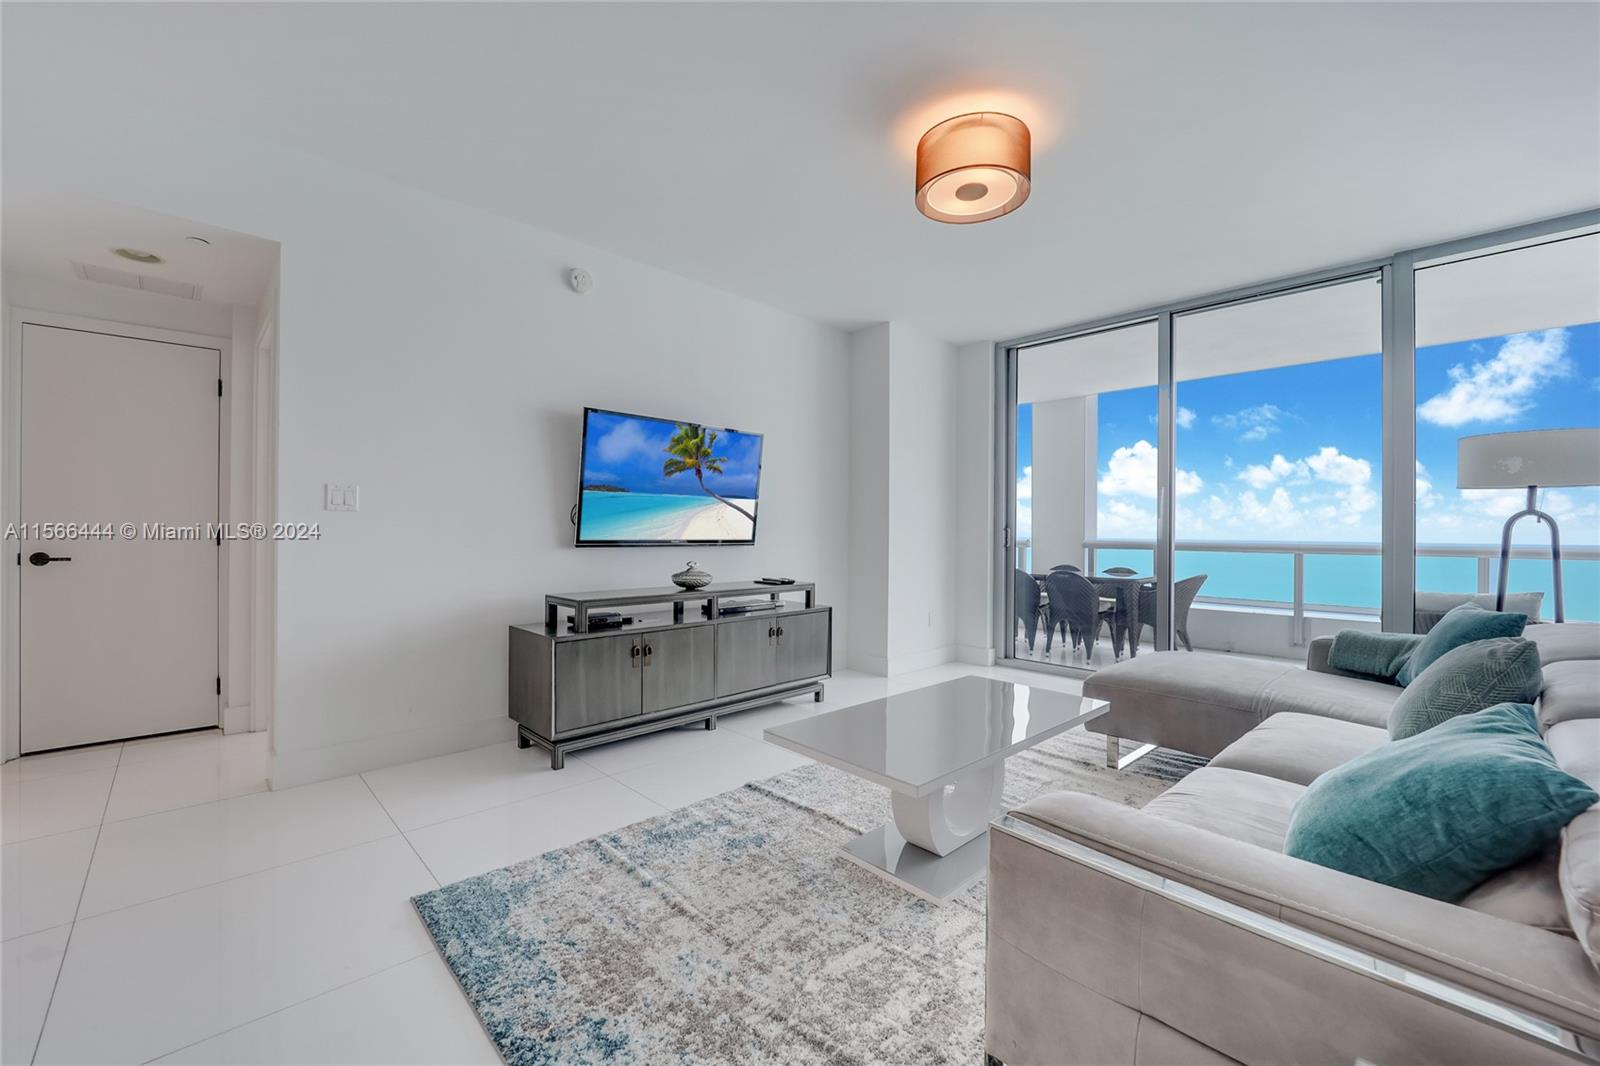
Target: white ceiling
767, 148
44, 231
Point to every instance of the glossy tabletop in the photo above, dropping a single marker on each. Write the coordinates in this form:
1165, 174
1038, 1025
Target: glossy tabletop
919, 741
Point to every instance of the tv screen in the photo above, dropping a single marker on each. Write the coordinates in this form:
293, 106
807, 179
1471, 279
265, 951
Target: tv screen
658, 481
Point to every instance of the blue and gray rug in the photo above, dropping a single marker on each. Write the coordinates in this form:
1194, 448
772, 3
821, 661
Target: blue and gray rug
733, 931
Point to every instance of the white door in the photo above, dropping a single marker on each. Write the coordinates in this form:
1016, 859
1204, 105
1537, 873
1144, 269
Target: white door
118, 633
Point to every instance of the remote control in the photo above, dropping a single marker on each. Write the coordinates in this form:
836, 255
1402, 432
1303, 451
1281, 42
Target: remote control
774, 580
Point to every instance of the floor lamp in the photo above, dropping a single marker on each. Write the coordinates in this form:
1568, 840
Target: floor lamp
1548, 458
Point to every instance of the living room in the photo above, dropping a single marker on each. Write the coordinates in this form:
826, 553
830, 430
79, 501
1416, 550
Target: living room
791, 532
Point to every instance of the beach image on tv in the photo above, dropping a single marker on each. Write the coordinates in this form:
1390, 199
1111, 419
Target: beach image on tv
648, 479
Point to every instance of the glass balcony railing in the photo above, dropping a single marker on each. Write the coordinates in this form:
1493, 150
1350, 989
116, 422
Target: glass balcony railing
1345, 578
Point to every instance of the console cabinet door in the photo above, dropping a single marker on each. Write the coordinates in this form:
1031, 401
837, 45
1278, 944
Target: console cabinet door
802, 646
597, 681
679, 667
747, 655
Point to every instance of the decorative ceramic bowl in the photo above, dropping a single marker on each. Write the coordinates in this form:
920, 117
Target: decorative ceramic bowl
691, 577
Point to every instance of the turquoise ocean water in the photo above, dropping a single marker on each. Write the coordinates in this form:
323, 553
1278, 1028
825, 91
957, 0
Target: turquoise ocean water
636, 515
1355, 580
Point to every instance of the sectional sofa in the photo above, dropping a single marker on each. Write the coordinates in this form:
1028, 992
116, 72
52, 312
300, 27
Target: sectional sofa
1181, 933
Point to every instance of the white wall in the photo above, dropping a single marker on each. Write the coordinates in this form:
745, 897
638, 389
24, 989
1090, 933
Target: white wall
868, 648
1062, 480
430, 353
975, 523
922, 500
905, 444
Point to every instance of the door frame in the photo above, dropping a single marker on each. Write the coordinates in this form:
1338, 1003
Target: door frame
11, 487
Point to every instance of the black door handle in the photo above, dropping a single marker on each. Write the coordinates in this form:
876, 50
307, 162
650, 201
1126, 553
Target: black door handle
45, 558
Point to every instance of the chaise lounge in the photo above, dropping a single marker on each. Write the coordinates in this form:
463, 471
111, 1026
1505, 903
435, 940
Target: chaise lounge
1182, 932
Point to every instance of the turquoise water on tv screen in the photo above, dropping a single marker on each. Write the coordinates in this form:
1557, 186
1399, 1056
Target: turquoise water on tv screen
1356, 581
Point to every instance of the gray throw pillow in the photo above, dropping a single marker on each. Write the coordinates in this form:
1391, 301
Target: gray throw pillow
1467, 679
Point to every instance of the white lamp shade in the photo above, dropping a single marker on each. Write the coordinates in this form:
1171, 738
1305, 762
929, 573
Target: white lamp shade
1543, 457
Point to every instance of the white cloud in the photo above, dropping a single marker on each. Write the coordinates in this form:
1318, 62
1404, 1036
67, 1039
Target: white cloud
1502, 387
1259, 476
623, 441
1330, 464
1025, 504
1254, 423
1119, 518
1185, 418
1424, 482
1131, 471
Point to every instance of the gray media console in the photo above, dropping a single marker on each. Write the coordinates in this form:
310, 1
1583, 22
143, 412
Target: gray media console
681, 660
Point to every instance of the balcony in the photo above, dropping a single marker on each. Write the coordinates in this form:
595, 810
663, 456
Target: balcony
1271, 598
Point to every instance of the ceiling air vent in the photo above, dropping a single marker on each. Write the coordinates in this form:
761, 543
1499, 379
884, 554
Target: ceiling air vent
129, 280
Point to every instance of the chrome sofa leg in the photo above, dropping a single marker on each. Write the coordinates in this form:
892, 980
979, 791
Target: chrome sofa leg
1115, 760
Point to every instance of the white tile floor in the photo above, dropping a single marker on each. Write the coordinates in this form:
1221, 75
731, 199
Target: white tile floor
159, 904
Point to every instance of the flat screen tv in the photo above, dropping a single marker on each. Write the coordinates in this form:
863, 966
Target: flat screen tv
659, 481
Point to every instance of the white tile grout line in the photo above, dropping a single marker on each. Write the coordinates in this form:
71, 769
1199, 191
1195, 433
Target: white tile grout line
296, 1003
428, 869
67, 947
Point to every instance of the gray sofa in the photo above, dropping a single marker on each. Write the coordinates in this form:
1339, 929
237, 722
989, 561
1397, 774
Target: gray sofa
1181, 933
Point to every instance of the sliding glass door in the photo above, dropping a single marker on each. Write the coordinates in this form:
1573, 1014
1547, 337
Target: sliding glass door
1084, 461
1279, 428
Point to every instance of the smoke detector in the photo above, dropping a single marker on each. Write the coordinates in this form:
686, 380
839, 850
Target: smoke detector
580, 280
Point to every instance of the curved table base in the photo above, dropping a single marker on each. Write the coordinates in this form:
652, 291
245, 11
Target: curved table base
939, 843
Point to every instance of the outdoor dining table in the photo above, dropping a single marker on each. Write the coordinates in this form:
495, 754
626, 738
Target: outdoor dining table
1125, 589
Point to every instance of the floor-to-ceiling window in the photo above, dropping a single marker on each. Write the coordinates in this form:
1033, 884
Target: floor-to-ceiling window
1309, 481
1085, 467
1279, 459
1507, 341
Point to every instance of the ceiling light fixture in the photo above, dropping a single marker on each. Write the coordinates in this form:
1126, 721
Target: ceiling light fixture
972, 168
136, 255
197, 240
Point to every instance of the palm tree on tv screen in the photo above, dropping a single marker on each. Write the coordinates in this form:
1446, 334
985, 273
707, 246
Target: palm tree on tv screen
693, 447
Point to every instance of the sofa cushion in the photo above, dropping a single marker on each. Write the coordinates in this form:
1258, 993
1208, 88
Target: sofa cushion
1560, 642
1571, 690
1299, 748
1462, 625
1439, 813
1466, 679
1575, 744
1195, 702
1232, 803
1528, 893
1328, 695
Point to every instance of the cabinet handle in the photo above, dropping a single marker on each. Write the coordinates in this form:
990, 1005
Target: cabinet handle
633, 657
771, 632
647, 652
780, 634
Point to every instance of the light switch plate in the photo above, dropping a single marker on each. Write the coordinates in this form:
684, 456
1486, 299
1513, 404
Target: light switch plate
341, 497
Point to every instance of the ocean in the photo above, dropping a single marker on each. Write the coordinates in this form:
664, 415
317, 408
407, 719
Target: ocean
1356, 580
636, 515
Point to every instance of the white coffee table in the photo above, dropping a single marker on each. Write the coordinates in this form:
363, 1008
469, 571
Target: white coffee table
941, 751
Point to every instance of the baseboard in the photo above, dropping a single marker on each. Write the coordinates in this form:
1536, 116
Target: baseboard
868, 664
291, 768
974, 654
921, 660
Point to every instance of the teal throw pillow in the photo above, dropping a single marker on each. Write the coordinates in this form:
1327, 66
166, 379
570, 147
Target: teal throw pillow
1460, 625
1465, 680
1438, 814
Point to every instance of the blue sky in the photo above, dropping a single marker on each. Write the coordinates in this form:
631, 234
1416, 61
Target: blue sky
1294, 453
629, 452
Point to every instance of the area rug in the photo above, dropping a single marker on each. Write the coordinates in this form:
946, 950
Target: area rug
733, 930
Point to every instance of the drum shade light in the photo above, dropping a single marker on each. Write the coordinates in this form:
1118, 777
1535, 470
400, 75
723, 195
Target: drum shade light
972, 168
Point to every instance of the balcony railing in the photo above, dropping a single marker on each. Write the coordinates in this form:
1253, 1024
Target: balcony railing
1484, 554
